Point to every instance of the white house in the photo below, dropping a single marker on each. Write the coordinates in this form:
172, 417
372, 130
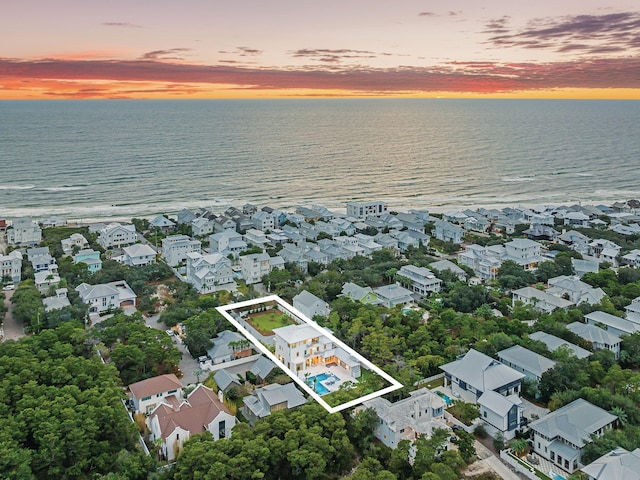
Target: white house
526, 253
501, 413
162, 223
532, 364
475, 373
618, 463
201, 226
417, 415
227, 242
11, 266
207, 272
310, 305
138, 255
147, 394
633, 310
176, 247
104, 296
393, 295
540, 300
575, 290
553, 343
600, 338
44, 280
174, 422
561, 435
420, 280
254, 267
116, 235
76, 240
366, 209
256, 237
24, 231
301, 346
632, 258
612, 324
56, 302
263, 221
448, 232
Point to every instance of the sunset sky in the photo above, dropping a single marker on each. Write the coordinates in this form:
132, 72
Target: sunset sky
302, 48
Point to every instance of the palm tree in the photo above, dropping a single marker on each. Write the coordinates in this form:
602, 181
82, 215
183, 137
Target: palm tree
519, 446
621, 414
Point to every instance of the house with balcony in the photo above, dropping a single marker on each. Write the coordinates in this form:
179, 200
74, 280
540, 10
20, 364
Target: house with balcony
419, 280
116, 235
599, 338
137, 255
172, 423
105, 296
11, 266
393, 295
24, 231
254, 267
301, 346
501, 413
176, 247
475, 373
208, 272
575, 290
363, 210
415, 416
612, 324
75, 241
561, 436
162, 223
540, 300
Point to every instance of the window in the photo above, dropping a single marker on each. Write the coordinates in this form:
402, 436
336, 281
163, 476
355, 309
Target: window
484, 414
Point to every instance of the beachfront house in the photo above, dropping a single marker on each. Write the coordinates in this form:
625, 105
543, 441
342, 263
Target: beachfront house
116, 235
561, 435
363, 210
475, 373
162, 223
172, 423
415, 416
176, 247
24, 231
208, 272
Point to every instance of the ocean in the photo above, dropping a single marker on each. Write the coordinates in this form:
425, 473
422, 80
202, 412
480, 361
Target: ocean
88, 160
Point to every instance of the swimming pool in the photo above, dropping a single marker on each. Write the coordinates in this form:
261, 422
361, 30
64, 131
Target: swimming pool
555, 476
318, 382
446, 398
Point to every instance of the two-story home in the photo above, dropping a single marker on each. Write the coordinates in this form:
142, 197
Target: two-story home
263, 221
11, 266
162, 223
90, 258
310, 305
102, 297
540, 300
419, 280
301, 346
575, 290
553, 343
524, 252
176, 247
149, 393
24, 231
415, 416
137, 255
202, 226
475, 373
208, 272
254, 267
256, 237
561, 435
447, 231
393, 295
532, 364
173, 422
366, 209
364, 295
618, 463
501, 413
228, 242
76, 240
599, 338
116, 235
265, 400
612, 324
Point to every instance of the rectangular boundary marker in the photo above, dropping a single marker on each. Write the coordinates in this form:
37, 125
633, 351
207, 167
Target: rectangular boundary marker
224, 311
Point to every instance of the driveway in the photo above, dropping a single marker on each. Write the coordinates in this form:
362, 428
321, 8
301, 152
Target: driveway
13, 329
188, 364
489, 462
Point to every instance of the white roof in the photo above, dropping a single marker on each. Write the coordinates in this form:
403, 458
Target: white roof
296, 333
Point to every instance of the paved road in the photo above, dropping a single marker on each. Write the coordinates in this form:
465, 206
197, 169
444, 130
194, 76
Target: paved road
188, 364
12, 328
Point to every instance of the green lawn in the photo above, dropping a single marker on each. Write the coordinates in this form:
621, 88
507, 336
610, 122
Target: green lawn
265, 322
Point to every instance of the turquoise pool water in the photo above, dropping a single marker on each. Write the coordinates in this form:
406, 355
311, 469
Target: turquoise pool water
558, 477
320, 389
446, 398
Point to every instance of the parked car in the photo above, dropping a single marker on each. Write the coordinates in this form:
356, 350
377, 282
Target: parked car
11, 286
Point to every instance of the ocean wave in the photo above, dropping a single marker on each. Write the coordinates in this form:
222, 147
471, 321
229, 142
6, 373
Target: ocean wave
524, 178
17, 187
62, 189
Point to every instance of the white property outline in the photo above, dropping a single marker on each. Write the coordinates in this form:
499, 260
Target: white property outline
395, 385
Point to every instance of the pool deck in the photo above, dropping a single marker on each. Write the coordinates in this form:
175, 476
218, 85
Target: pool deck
341, 373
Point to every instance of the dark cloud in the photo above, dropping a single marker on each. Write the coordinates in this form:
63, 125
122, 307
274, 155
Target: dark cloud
332, 56
170, 54
427, 14
245, 51
120, 24
462, 77
587, 34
